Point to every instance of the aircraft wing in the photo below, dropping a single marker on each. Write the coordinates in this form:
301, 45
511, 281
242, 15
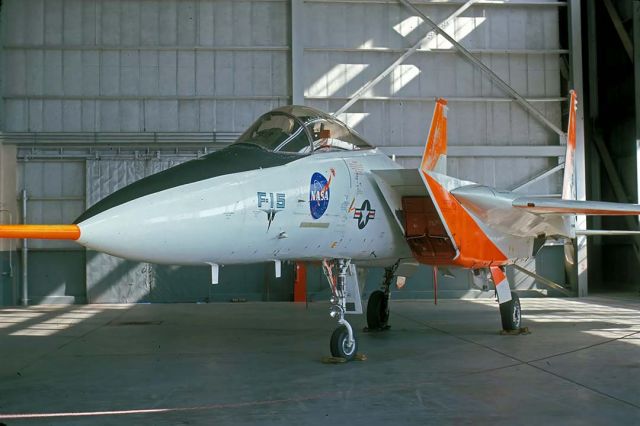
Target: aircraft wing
552, 206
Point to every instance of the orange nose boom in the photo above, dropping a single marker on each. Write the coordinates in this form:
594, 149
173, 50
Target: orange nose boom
43, 232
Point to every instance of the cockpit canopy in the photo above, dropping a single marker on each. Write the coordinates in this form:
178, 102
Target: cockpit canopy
303, 130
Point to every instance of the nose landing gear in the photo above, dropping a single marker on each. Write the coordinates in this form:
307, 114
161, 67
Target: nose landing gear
343, 342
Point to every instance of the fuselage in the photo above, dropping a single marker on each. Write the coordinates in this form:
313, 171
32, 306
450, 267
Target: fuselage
318, 206
298, 185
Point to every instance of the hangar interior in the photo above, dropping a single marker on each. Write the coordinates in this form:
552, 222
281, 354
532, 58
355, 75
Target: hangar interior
99, 93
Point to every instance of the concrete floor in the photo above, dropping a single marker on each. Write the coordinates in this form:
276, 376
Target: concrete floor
259, 363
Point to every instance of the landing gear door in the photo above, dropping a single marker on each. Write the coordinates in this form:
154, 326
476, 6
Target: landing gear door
353, 300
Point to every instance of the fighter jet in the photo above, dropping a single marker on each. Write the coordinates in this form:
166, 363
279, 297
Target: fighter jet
299, 185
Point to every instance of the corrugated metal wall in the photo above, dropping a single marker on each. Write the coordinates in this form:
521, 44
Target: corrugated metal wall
176, 75
348, 44
145, 65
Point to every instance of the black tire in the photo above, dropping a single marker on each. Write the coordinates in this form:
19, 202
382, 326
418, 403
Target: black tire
377, 310
340, 344
511, 313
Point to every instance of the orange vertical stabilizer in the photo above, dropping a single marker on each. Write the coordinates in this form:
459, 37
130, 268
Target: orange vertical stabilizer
568, 182
435, 152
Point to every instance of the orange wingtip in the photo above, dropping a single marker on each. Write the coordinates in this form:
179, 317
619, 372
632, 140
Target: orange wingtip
43, 232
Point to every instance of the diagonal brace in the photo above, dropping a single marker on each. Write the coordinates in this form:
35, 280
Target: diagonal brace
622, 32
356, 96
496, 79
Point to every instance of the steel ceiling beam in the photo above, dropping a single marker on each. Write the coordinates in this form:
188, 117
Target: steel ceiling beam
296, 38
576, 260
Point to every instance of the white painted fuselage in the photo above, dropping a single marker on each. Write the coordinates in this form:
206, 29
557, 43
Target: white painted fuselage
276, 213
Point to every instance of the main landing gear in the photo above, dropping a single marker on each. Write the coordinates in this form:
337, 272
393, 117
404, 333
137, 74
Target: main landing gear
510, 311
378, 305
343, 342
511, 314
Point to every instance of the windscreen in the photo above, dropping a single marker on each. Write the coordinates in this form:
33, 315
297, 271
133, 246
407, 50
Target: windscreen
331, 135
278, 132
303, 130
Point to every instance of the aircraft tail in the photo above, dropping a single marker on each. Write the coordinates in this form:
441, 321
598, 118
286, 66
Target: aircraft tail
569, 182
435, 153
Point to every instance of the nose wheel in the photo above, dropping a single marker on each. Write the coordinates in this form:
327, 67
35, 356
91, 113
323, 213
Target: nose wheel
340, 345
343, 342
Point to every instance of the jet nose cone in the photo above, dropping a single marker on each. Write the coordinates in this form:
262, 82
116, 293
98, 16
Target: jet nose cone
138, 189
233, 159
121, 229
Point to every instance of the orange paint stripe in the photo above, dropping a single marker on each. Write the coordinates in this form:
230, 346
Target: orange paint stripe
475, 247
43, 232
497, 275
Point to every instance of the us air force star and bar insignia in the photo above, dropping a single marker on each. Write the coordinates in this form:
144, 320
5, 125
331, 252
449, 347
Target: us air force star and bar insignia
364, 214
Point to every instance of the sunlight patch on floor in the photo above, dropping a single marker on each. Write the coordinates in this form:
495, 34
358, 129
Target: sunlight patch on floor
610, 322
47, 320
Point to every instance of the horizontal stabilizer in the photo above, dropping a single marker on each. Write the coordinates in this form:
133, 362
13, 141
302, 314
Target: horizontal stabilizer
552, 206
43, 232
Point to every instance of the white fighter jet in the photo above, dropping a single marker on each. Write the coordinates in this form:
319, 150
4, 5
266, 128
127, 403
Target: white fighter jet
300, 185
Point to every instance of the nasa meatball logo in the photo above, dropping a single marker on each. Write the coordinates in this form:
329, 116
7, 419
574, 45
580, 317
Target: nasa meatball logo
319, 195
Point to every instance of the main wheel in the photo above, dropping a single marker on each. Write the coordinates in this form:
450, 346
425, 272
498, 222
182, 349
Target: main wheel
340, 344
377, 310
511, 314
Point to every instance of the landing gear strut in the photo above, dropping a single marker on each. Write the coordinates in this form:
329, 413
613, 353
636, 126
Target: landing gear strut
378, 305
510, 311
343, 342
